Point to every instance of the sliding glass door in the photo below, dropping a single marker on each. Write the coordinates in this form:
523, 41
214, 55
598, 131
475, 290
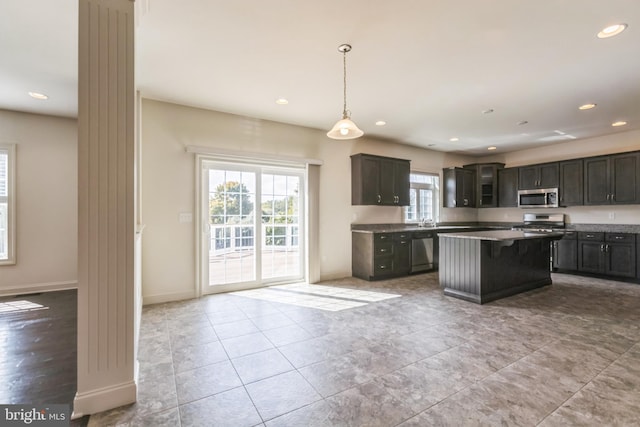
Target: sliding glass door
252, 226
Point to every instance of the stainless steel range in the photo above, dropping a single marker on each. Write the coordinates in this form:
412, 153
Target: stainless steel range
542, 223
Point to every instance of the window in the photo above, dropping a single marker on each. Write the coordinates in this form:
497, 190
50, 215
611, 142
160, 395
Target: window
424, 195
7, 203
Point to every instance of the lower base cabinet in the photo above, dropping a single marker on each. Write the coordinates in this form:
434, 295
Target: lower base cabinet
612, 254
380, 255
565, 252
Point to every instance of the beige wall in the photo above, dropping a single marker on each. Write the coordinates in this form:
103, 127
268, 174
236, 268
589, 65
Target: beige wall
616, 143
168, 186
46, 202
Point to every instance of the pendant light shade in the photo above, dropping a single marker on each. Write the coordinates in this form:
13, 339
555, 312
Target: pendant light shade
345, 128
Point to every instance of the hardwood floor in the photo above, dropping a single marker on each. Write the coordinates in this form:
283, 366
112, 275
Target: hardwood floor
38, 347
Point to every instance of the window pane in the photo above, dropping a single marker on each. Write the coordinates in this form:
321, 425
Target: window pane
423, 198
4, 174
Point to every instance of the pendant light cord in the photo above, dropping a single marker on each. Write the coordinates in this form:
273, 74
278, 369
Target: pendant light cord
344, 64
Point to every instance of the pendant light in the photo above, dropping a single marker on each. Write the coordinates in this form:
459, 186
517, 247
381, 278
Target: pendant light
345, 128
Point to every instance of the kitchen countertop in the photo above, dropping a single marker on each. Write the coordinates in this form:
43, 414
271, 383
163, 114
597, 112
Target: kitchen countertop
502, 235
391, 228
394, 228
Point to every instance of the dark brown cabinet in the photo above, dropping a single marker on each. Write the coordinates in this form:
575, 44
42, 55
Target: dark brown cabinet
486, 183
612, 254
571, 179
591, 252
459, 188
380, 255
377, 180
612, 179
565, 252
508, 187
544, 175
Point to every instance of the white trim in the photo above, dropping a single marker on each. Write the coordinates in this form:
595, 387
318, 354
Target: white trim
102, 399
11, 205
243, 156
39, 287
174, 296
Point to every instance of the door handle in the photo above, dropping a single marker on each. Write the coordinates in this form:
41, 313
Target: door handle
379, 198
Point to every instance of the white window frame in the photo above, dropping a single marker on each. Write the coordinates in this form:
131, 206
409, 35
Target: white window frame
10, 200
435, 192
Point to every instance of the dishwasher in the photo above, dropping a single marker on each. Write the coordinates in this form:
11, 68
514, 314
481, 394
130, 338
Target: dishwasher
422, 251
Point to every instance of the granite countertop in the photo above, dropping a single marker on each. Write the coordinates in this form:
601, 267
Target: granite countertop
394, 228
391, 228
501, 235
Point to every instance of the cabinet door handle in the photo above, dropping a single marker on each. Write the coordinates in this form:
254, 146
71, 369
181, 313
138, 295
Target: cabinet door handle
383, 237
383, 250
455, 202
606, 248
382, 267
619, 237
379, 198
601, 248
589, 236
613, 197
608, 196
402, 242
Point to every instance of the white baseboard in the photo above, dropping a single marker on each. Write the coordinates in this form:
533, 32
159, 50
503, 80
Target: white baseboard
160, 298
38, 287
103, 399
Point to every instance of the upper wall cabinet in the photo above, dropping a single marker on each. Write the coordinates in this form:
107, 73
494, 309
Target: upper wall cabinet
459, 188
612, 179
571, 179
544, 175
508, 188
377, 180
486, 183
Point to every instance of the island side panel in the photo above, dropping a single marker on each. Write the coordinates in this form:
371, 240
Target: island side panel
460, 268
509, 268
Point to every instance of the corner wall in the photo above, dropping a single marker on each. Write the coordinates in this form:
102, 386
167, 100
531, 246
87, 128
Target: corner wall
168, 186
46, 202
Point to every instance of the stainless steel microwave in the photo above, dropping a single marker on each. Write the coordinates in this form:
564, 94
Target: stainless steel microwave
538, 198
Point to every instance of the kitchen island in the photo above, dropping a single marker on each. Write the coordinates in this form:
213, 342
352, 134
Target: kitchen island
483, 266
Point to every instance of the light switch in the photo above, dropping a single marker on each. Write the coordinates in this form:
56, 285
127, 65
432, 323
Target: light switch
186, 217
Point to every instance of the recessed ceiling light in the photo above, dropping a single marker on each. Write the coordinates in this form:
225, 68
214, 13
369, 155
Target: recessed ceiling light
282, 101
619, 123
612, 30
586, 106
492, 148
523, 122
430, 145
38, 95
381, 123
488, 111
454, 139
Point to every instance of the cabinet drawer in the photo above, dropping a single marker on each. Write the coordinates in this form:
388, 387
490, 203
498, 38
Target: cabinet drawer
591, 236
383, 266
399, 237
383, 249
382, 238
620, 238
570, 235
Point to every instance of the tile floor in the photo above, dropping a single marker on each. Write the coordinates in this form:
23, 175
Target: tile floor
567, 354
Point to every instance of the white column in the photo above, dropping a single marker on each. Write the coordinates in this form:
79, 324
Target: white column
106, 144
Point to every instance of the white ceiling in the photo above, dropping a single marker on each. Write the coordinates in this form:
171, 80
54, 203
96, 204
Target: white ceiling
428, 68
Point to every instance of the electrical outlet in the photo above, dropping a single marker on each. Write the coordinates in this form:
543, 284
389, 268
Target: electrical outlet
185, 217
